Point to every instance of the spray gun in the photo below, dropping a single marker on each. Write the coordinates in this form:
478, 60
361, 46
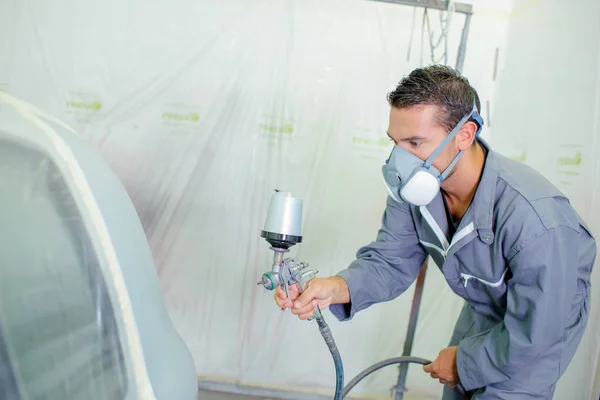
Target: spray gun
283, 229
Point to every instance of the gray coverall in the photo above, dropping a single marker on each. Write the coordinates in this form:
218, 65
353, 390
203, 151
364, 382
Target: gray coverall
521, 257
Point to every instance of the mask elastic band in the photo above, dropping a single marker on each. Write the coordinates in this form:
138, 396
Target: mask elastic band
444, 175
450, 136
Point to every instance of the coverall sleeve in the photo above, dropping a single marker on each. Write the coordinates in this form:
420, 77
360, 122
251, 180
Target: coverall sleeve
539, 300
385, 268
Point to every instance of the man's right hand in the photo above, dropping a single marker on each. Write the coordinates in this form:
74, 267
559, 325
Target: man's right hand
320, 292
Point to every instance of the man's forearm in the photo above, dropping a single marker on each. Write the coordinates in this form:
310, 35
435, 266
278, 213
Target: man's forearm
341, 292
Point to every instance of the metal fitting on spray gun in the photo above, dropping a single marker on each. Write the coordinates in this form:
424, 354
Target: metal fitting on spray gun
283, 230
286, 273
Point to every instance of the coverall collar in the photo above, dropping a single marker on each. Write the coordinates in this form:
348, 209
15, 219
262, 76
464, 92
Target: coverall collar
485, 196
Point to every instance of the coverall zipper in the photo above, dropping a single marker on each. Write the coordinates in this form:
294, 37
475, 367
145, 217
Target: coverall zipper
440, 235
466, 277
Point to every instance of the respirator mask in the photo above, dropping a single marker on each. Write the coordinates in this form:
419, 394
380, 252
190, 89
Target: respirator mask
410, 179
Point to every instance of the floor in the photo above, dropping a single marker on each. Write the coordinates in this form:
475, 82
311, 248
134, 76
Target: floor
207, 395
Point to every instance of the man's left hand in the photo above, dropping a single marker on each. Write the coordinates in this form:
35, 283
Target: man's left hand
444, 367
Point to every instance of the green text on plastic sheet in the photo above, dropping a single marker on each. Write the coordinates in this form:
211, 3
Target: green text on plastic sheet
381, 142
182, 117
95, 105
286, 129
570, 161
519, 157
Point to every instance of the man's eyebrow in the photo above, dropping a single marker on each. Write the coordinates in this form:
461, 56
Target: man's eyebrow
413, 138
410, 139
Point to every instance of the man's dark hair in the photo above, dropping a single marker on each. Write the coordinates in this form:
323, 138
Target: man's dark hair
437, 85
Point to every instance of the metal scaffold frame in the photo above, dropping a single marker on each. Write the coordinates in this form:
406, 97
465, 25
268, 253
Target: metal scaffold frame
443, 5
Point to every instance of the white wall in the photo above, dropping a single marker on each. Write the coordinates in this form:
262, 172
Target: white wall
547, 113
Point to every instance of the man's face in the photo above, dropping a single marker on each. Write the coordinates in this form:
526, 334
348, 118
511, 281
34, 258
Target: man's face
417, 131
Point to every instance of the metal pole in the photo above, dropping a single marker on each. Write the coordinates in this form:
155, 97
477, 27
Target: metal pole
400, 387
462, 49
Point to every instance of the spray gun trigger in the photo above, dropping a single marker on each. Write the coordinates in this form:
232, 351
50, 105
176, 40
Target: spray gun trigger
287, 292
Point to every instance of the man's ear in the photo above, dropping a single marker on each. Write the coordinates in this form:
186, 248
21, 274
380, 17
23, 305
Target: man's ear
466, 135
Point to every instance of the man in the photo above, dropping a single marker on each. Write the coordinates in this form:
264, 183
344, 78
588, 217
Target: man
505, 239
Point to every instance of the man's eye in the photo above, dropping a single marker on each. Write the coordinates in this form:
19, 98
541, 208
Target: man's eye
415, 144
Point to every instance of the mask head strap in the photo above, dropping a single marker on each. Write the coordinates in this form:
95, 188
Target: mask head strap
472, 115
448, 138
444, 175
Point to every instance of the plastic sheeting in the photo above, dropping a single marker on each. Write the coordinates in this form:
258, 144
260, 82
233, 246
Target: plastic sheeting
202, 108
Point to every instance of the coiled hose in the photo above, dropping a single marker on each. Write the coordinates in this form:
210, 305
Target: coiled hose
340, 390
391, 361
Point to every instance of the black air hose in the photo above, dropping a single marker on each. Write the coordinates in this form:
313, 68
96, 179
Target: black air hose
385, 363
337, 358
340, 390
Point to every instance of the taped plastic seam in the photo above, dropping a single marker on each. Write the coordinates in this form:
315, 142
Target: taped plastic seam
139, 371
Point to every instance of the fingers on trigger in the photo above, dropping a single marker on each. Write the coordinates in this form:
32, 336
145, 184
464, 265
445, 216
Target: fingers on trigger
281, 302
308, 311
309, 308
300, 311
307, 315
